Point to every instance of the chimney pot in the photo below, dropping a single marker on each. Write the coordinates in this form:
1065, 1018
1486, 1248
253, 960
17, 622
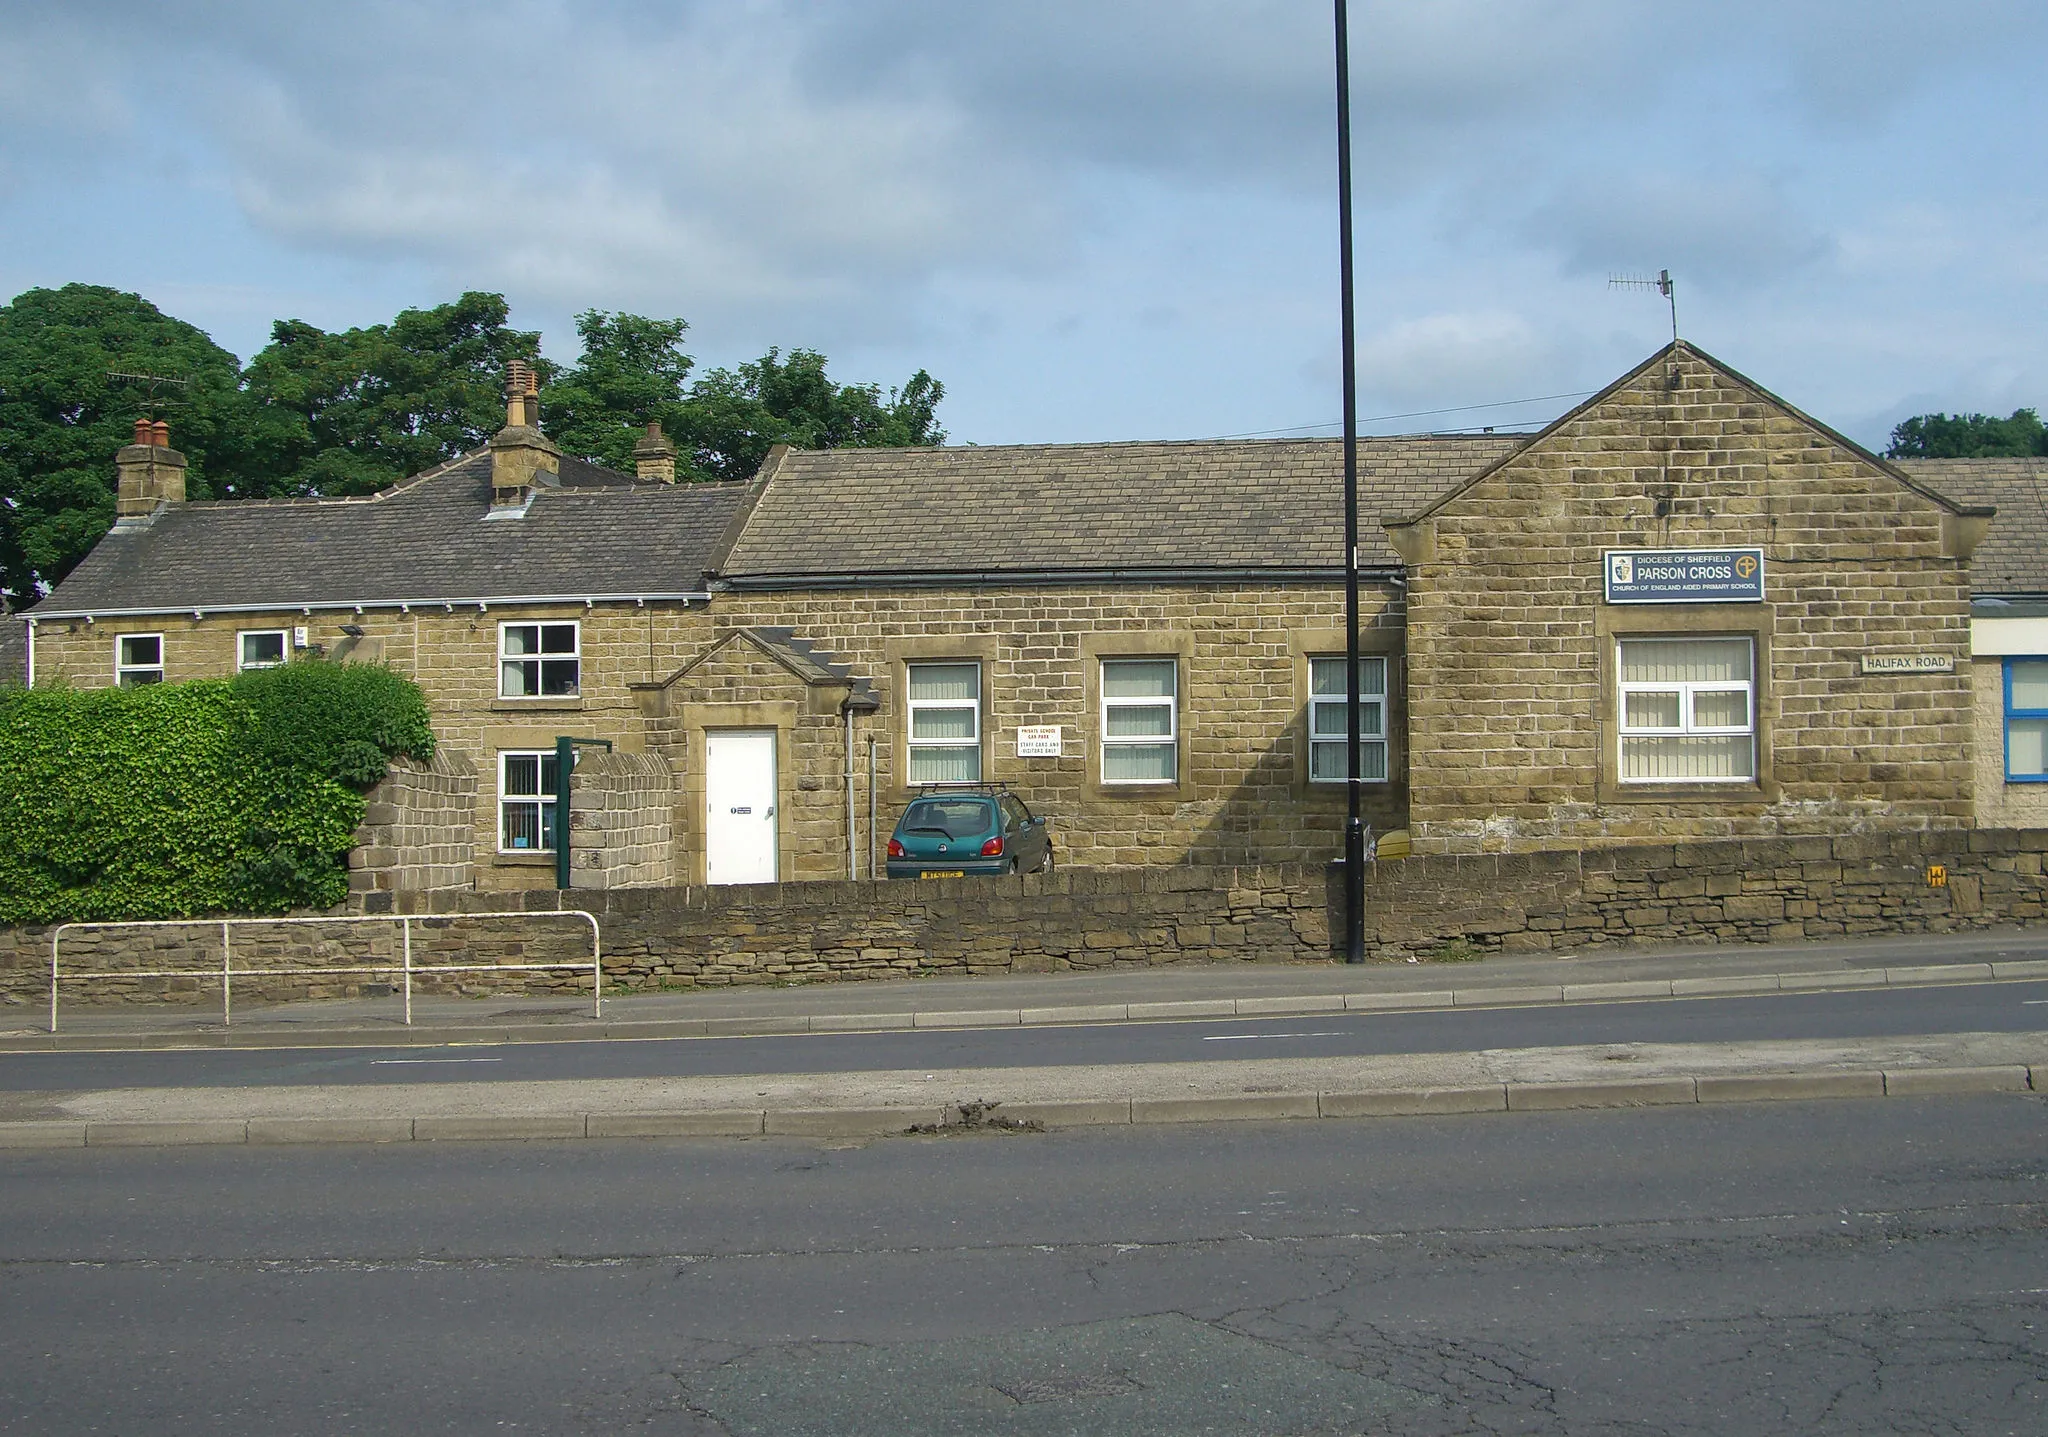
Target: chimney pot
148, 472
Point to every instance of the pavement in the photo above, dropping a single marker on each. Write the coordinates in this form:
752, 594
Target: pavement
872, 1103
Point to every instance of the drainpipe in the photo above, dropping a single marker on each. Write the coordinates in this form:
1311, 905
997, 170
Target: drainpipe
852, 836
31, 653
871, 808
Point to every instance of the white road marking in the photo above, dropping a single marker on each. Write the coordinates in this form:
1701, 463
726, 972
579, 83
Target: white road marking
423, 1062
1265, 1037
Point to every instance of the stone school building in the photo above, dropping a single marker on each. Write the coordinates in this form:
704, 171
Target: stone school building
1684, 610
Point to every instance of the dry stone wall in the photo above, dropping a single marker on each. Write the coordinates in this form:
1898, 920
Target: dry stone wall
419, 828
1442, 906
621, 807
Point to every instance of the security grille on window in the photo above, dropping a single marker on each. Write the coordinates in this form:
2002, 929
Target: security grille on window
138, 659
1140, 734
945, 723
528, 784
1326, 737
1688, 710
261, 648
2026, 720
539, 661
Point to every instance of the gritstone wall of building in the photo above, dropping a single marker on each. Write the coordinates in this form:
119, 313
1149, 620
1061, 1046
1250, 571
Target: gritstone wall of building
1511, 647
1725, 892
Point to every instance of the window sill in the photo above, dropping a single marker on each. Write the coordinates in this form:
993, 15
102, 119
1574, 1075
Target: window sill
536, 705
1747, 791
523, 859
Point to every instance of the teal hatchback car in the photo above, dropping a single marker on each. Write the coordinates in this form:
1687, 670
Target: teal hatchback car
962, 832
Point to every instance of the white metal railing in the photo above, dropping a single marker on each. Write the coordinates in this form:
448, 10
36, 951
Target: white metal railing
227, 972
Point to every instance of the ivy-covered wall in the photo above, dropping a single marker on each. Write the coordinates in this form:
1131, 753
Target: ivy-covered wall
173, 800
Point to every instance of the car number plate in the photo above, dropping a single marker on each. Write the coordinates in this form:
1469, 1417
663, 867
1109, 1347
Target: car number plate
943, 873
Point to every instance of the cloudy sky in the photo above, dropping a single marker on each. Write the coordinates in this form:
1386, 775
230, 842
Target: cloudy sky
1093, 219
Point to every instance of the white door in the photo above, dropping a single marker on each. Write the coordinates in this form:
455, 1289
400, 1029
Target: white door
739, 803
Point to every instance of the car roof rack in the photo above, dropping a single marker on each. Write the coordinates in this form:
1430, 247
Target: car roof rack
925, 790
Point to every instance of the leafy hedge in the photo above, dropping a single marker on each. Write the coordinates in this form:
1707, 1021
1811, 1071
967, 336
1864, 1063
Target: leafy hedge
173, 800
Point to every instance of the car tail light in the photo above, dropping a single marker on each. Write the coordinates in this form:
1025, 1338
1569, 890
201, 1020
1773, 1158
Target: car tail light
895, 849
993, 848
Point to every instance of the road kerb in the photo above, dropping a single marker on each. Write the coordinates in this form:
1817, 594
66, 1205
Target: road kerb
509, 1128
1225, 1109
1607, 1093
2021, 968
1306, 1003
1079, 1113
1415, 1102
969, 1018
848, 1122
1933, 1082
1505, 997
1773, 1087
42, 1135
1187, 1008
1939, 973
704, 1123
166, 1134
1393, 1002
1076, 1013
860, 1022
1724, 987
754, 1027
1610, 992
330, 1130
1835, 978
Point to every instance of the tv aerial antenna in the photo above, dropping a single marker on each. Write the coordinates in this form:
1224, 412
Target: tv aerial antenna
1661, 282
150, 384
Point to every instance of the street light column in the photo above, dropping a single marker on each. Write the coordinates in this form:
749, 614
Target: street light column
1354, 824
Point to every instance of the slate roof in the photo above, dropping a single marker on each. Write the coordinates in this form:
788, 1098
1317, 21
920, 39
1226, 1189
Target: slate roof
600, 534
2013, 559
863, 515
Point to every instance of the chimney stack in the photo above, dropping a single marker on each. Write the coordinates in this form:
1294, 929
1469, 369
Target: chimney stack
149, 472
522, 459
654, 458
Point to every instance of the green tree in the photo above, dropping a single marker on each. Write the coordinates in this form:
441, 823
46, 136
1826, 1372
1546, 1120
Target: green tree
367, 407
63, 414
632, 370
1969, 436
733, 416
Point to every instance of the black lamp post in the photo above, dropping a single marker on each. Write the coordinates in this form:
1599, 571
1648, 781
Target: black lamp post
1354, 825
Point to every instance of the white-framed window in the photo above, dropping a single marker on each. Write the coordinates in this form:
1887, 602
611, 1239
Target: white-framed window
262, 648
2026, 720
138, 659
540, 660
945, 721
529, 781
1140, 720
1326, 737
1688, 710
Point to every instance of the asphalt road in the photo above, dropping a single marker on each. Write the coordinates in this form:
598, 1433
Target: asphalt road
1868, 1013
1777, 1268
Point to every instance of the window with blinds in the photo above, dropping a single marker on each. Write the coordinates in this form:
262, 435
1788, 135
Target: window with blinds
1140, 722
945, 722
1688, 710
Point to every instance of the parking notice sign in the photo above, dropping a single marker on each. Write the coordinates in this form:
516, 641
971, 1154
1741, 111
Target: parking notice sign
1038, 741
1684, 576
